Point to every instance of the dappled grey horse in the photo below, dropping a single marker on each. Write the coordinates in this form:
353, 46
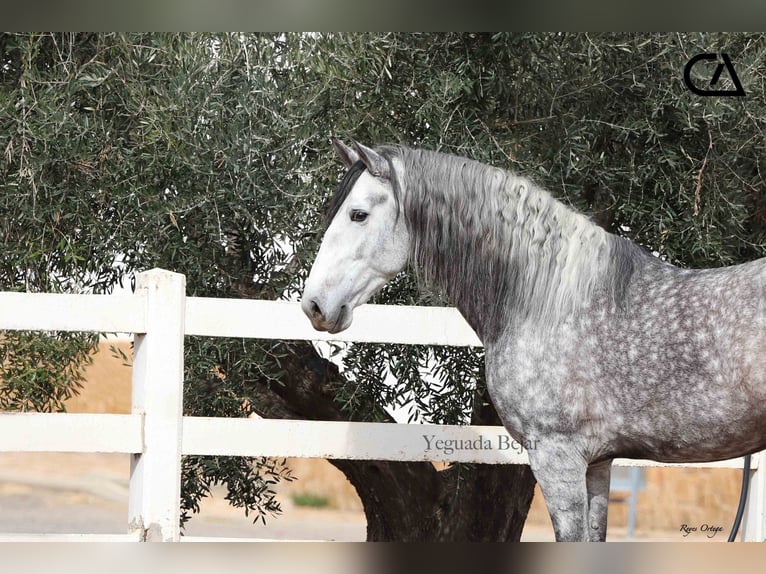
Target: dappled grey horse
595, 349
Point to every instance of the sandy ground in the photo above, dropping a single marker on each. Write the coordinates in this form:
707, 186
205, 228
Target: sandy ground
88, 493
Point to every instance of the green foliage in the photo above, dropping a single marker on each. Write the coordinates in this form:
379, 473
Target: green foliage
39, 371
310, 500
621, 137
249, 483
208, 154
433, 384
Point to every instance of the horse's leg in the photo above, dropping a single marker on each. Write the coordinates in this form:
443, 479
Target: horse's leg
597, 481
561, 476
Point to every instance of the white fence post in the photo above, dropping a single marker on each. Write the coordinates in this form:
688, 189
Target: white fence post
155, 474
754, 521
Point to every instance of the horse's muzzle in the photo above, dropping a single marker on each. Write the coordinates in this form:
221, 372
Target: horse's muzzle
321, 322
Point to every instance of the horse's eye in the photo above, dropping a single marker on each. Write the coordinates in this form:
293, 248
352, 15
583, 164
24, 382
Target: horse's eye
358, 215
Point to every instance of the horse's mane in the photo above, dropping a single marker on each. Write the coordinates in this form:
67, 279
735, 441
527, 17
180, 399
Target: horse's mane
499, 246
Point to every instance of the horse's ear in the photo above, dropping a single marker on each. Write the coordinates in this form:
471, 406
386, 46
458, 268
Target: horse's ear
376, 164
347, 155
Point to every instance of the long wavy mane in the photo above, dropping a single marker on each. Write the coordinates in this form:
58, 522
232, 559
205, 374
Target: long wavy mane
499, 246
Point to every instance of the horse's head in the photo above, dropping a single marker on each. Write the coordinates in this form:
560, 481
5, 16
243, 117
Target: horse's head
365, 245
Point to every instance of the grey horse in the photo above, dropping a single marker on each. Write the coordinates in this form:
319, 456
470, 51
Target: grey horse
595, 349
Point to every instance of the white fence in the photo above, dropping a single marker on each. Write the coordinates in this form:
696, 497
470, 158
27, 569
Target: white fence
157, 435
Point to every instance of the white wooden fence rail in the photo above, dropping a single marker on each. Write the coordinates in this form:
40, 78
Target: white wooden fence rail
157, 435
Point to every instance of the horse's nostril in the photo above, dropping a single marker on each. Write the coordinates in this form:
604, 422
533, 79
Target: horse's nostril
316, 311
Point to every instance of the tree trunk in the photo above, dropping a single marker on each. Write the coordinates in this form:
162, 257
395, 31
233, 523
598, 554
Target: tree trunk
408, 501
412, 502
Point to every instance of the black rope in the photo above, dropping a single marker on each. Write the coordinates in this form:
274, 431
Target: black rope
742, 499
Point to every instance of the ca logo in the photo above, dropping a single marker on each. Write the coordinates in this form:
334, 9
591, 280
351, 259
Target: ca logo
716, 76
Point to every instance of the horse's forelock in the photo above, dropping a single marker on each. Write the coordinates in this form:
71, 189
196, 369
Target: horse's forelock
344, 188
350, 178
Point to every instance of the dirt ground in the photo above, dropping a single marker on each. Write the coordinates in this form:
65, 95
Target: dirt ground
88, 493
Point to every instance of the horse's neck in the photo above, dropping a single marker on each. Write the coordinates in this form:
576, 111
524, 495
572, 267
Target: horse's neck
502, 249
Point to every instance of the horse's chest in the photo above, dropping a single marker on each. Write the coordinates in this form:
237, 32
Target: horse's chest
536, 384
